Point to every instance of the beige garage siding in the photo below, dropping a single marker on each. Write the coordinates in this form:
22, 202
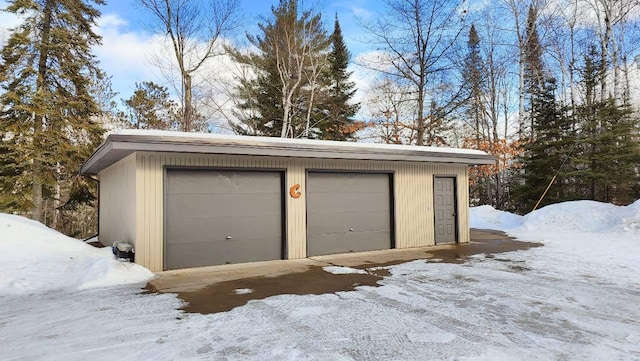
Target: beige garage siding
412, 193
118, 202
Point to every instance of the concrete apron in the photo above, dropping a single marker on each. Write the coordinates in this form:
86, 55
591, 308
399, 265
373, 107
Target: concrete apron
222, 288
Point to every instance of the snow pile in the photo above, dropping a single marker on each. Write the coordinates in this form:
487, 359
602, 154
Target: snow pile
487, 217
37, 259
587, 216
338, 270
581, 216
631, 217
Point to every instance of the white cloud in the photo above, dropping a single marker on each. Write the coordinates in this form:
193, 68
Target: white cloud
7, 22
126, 55
123, 54
364, 77
357, 7
589, 13
361, 12
473, 6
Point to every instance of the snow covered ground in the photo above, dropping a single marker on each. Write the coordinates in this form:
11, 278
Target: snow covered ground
576, 298
37, 259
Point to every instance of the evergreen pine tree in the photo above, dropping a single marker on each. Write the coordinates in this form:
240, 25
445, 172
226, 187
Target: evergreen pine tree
14, 171
46, 118
301, 87
474, 109
151, 108
609, 151
548, 154
533, 65
339, 124
474, 86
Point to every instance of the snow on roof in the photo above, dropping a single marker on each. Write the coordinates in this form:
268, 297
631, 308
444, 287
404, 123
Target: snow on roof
121, 143
296, 141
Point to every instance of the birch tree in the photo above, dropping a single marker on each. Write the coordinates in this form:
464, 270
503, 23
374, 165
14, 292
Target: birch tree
195, 30
289, 91
611, 16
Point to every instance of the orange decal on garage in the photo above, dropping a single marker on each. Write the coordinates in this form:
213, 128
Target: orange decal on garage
294, 191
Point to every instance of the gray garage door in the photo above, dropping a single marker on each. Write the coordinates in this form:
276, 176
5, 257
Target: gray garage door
348, 212
445, 209
216, 217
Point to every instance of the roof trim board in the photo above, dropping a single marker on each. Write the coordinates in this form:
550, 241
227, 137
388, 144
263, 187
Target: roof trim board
120, 144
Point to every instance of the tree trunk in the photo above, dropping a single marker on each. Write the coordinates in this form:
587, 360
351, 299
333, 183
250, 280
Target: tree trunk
286, 110
39, 119
36, 211
604, 44
572, 62
55, 218
626, 93
421, 120
188, 107
521, 94
309, 108
616, 75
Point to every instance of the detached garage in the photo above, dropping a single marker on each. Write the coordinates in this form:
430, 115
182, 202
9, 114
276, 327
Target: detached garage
190, 200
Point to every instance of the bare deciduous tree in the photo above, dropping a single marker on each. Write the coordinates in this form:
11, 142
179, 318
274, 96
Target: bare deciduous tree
419, 36
611, 16
389, 102
194, 28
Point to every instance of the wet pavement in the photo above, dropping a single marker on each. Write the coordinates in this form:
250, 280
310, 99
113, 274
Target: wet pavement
222, 288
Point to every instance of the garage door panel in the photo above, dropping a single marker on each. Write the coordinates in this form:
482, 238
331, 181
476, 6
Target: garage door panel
221, 227
222, 182
322, 182
204, 207
350, 242
217, 205
354, 202
201, 253
339, 202
344, 221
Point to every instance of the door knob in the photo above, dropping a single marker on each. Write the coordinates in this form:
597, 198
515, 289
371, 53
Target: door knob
228, 237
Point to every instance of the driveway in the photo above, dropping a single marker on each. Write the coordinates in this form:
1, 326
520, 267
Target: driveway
222, 288
576, 298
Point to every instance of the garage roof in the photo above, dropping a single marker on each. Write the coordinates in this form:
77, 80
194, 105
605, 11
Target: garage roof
121, 143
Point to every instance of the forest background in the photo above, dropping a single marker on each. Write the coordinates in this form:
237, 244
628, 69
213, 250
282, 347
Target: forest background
551, 88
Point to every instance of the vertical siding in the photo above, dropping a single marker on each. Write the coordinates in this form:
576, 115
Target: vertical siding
296, 210
118, 202
143, 243
149, 215
463, 204
413, 197
413, 203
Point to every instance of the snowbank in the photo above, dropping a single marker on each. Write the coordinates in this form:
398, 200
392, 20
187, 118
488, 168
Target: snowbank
37, 259
582, 216
487, 217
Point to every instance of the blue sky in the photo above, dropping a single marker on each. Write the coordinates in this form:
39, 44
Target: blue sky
127, 49
347, 10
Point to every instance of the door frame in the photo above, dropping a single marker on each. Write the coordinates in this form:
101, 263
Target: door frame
283, 201
455, 205
392, 199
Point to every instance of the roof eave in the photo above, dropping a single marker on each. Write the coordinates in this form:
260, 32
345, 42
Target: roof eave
117, 147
